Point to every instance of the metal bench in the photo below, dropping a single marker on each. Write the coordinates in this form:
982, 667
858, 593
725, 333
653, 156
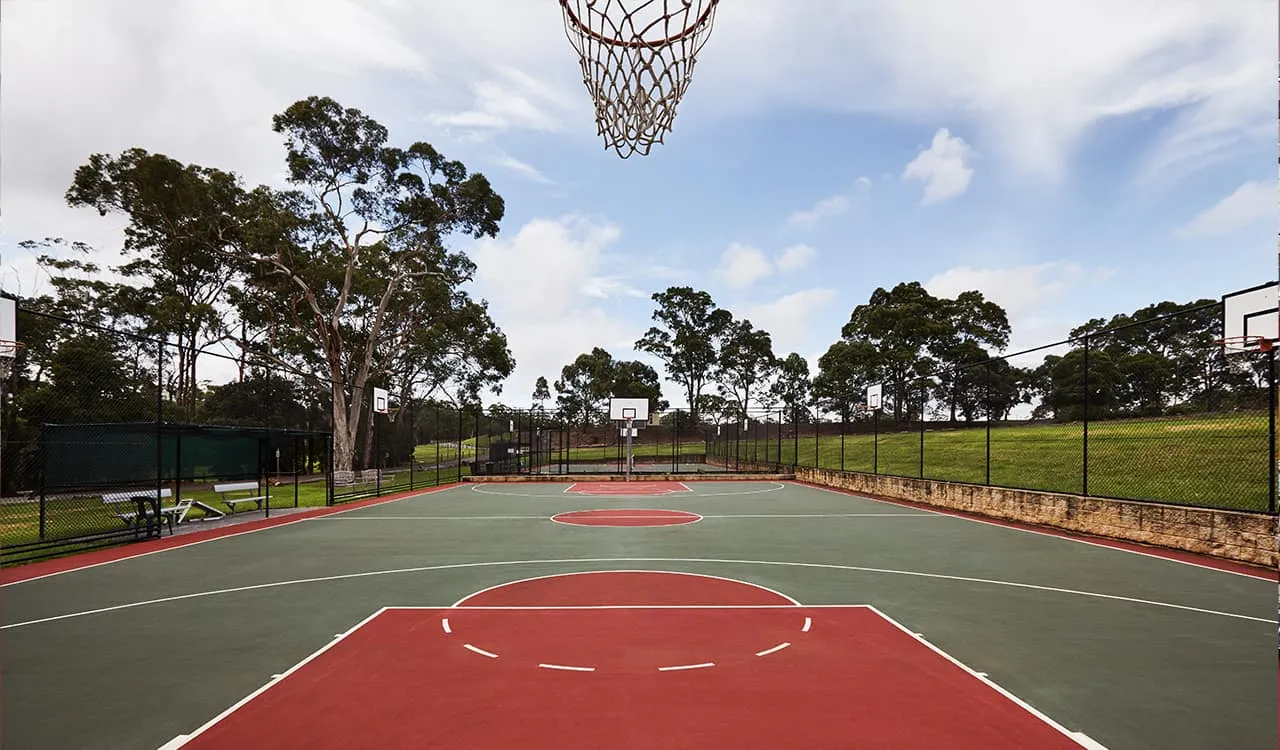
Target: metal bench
144, 506
232, 502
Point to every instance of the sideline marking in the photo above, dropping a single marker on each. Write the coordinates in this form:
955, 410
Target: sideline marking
1065, 534
807, 623
979, 676
444, 623
775, 649
480, 651
694, 560
312, 657
687, 666
568, 669
703, 515
282, 524
794, 603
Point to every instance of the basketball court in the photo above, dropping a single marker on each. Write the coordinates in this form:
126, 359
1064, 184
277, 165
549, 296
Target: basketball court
697, 613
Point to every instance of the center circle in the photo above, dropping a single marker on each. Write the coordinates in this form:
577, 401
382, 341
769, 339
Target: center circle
627, 517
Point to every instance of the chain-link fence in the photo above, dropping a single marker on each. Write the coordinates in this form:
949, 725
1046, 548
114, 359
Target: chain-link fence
1154, 410
109, 436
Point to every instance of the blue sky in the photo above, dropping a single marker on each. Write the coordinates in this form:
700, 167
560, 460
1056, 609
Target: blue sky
1069, 160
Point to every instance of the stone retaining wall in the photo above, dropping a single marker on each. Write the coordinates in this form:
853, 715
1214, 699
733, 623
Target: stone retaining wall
1233, 535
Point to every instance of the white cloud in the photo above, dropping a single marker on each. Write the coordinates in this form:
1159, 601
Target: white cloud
543, 284
941, 168
823, 209
1246, 204
527, 170
1029, 295
741, 266
796, 257
511, 99
789, 319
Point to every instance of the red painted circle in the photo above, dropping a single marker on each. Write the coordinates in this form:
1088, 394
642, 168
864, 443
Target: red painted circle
625, 588
627, 517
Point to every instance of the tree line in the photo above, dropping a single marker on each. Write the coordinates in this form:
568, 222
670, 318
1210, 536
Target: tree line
341, 281
346, 279
936, 358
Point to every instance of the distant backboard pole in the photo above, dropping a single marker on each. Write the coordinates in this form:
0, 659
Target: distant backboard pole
1251, 319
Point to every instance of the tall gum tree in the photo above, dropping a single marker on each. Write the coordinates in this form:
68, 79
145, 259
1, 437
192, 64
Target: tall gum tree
340, 263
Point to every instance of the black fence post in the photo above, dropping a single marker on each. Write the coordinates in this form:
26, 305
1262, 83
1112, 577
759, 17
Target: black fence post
1271, 427
296, 476
264, 473
923, 397
459, 462
795, 437
329, 468
40, 479
675, 443
1084, 446
436, 434
413, 445
155, 504
988, 399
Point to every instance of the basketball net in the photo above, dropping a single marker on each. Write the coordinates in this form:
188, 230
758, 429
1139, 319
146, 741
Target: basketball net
8, 354
637, 60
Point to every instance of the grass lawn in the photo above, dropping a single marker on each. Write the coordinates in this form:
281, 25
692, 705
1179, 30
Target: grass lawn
1220, 461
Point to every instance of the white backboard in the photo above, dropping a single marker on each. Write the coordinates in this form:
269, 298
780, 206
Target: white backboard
8, 319
1252, 312
873, 396
636, 409
381, 400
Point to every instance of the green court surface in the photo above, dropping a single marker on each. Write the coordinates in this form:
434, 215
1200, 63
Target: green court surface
1125, 648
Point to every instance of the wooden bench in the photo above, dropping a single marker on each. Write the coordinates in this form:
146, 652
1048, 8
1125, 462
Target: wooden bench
232, 502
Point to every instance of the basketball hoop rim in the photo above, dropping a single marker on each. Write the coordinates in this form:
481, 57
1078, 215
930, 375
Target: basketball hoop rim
639, 44
1243, 344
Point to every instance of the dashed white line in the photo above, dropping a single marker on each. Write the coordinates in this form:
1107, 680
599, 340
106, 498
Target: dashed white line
480, 651
686, 666
775, 649
567, 668
807, 623
444, 623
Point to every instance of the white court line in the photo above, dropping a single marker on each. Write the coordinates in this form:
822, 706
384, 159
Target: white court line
773, 650
480, 651
807, 623
276, 681
591, 510
779, 594
579, 561
432, 491
982, 678
567, 668
773, 487
1064, 534
687, 666
444, 623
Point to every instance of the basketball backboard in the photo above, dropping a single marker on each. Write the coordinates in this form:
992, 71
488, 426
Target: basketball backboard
8, 318
635, 409
381, 401
1251, 313
873, 396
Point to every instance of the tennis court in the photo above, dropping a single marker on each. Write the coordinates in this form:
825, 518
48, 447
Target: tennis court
710, 614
